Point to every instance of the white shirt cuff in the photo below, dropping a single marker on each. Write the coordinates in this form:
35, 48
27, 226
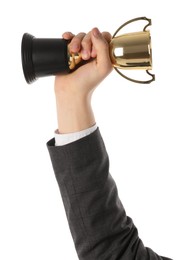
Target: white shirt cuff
63, 139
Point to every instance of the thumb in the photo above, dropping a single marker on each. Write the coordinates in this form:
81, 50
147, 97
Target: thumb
101, 47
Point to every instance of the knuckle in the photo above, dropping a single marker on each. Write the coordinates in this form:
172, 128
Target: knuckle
77, 39
75, 43
80, 35
86, 43
107, 36
67, 35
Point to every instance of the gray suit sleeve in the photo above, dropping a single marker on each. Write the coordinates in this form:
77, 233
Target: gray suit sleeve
100, 228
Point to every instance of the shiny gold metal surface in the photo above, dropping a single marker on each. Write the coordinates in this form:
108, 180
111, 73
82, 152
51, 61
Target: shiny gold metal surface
74, 60
132, 51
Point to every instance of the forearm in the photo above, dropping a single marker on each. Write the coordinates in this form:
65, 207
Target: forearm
90, 198
99, 225
74, 112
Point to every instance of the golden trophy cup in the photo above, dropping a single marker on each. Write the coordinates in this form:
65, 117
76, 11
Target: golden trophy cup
44, 57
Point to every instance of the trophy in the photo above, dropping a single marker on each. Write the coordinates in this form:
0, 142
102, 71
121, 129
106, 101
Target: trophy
46, 56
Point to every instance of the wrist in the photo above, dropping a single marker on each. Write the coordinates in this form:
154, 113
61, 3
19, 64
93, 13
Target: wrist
70, 86
74, 112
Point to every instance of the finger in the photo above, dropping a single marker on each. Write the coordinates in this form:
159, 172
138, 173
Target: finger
107, 36
86, 47
75, 45
68, 35
101, 47
93, 53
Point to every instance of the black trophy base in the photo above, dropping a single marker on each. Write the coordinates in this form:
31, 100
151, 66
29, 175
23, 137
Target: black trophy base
43, 57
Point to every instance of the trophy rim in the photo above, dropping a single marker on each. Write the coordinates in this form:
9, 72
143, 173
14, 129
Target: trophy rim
26, 54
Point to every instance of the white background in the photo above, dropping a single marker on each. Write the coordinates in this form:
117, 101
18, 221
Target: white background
144, 128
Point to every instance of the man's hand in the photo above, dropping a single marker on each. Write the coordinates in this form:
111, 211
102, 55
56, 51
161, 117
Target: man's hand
73, 91
91, 45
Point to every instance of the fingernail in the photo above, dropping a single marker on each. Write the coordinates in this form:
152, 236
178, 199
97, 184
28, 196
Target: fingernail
74, 47
85, 54
96, 32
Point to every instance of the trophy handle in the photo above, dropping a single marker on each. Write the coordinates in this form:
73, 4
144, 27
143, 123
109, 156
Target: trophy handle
137, 81
144, 29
